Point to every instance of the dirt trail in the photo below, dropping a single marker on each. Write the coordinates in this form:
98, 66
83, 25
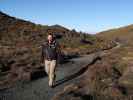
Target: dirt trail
39, 90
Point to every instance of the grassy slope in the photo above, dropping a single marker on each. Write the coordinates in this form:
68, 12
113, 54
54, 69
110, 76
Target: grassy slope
123, 34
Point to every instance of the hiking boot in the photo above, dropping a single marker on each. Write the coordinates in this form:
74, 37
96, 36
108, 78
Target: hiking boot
51, 84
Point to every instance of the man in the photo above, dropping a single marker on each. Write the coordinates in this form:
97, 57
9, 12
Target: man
50, 51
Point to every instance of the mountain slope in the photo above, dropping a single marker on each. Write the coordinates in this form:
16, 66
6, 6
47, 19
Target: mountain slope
123, 34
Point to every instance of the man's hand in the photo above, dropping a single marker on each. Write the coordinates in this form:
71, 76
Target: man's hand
42, 64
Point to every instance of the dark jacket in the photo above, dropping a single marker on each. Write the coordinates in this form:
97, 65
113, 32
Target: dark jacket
50, 51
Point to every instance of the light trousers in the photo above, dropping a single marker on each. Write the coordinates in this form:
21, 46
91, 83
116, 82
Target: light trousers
50, 67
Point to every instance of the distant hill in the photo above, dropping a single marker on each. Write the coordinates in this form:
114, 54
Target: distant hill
14, 31
123, 34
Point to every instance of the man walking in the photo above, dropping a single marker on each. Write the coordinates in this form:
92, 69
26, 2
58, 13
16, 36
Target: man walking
50, 51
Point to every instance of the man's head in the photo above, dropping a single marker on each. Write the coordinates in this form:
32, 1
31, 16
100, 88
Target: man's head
50, 37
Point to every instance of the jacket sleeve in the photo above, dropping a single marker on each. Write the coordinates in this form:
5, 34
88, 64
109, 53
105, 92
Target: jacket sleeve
42, 53
58, 49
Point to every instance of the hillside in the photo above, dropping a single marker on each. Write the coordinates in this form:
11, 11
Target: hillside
14, 31
123, 34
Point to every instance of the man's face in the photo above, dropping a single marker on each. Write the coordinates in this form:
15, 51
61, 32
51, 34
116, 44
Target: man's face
50, 37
